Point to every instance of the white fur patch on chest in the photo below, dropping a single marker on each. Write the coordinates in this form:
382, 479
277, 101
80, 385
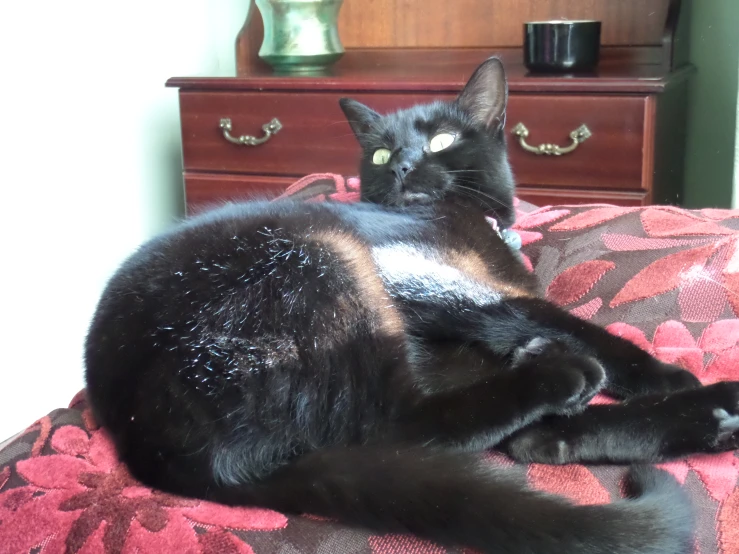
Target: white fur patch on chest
409, 271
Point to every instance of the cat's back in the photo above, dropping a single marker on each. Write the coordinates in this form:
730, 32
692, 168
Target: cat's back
236, 231
237, 316
247, 256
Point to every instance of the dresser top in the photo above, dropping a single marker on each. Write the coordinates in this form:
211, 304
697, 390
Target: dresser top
421, 70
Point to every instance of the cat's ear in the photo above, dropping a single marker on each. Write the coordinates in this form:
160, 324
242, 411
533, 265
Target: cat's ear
360, 117
485, 95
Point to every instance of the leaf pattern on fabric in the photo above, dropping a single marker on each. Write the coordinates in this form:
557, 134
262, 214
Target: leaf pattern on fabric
575, 482
529, 237
575, 282
631, 334
538, 219
103, 503
718, 472
665, 221
589, 240
719, 214
34, 522
71, 440
678, 469
527, 263
731, 276
629, 243
590, 218
208, 513
702, 297
720, 335
663, 275
403, 544
723, 367
674, 344
588, 310
727, 524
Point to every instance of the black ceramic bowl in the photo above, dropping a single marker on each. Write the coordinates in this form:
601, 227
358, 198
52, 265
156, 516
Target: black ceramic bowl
561, 46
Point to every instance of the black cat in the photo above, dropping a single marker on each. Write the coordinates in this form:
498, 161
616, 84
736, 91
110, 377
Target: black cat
349, 360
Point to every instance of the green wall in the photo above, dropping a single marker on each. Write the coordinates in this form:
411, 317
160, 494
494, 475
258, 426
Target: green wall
712, 115
736, 159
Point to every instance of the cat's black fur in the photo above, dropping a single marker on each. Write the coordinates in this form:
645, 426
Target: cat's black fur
348, 360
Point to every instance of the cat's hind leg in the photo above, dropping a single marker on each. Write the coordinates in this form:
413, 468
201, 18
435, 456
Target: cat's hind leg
505, 325
647, 429
480, 415
630, 370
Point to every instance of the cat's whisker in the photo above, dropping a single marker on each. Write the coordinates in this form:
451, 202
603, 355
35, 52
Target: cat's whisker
480, 193
471, 197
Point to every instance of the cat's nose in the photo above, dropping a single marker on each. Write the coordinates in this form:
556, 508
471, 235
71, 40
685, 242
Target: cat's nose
402, 169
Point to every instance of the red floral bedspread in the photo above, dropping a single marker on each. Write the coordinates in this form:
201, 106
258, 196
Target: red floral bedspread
665, 278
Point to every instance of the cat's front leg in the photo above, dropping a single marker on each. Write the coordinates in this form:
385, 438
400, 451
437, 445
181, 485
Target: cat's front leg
543, 382
646, 429
630, 370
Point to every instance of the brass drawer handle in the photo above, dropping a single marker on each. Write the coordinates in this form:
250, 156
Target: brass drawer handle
581, 134
269, 129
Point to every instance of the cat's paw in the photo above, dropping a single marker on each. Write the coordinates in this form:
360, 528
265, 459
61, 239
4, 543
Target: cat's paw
699, 421
535, 348
665, 378
709, 418
559, 382
539, 444
727, 437
581, 378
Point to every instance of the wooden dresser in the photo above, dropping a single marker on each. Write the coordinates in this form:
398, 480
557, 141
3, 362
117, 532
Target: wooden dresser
633, 109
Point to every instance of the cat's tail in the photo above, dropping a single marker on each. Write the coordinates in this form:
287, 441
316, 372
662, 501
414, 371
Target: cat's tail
454, 498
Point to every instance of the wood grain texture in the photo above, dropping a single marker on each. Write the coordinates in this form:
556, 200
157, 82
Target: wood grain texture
316, 138
491, 23
648, 138
205, 191
610, 159
403, 52
560, 197
660, 27
445, 71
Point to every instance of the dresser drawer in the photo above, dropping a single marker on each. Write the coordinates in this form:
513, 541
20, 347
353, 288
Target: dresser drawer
314, 138
614, 156
550, 196
205, 191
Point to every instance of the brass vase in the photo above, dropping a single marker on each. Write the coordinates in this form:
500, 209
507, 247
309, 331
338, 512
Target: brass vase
300, 36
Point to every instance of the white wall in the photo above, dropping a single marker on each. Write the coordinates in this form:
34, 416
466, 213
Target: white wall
90, 167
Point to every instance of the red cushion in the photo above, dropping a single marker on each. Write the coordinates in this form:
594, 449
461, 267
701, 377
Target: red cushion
667, 279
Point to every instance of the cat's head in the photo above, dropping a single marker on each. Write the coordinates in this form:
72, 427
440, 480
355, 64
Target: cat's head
441, 150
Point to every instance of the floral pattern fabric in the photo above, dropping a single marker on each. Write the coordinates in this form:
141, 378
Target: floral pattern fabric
664, 278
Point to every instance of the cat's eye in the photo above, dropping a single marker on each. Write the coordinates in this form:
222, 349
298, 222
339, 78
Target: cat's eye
381, 156
441, 142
